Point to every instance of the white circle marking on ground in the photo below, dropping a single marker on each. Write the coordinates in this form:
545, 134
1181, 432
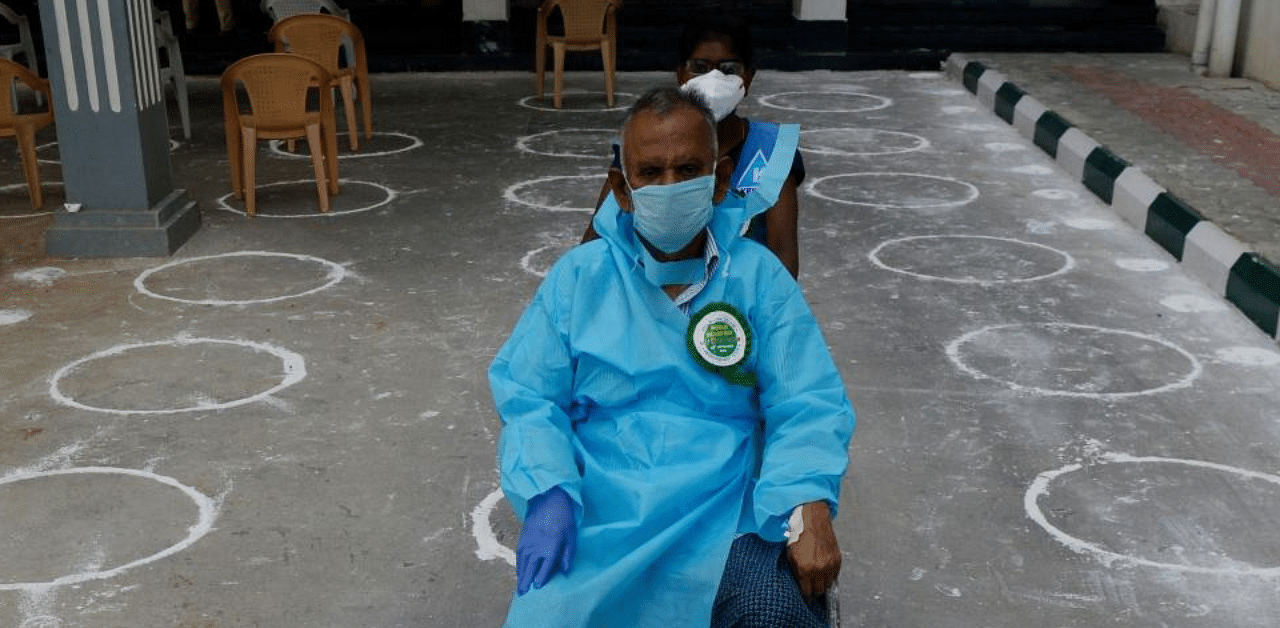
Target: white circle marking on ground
12, 317
44, 276
604, 138
1004, 147
14, 187
414, 142
954, 110
487, 545
1089, 224
1142, 265
527, 102
293, 367
1033, 169
1054, 194
914, 142
526, 262
1068, 262
878, 102
207, 513
512, 193
1040, 487
953, 354
1193, 303
970, 191
223, 202
925, 75
336, 273
1248, 356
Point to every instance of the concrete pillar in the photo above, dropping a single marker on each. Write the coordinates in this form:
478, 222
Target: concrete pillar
484, 10
113, 133
819, 10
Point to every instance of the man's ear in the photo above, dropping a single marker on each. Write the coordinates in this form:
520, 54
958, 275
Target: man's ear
724, 170
620, 190
746, 80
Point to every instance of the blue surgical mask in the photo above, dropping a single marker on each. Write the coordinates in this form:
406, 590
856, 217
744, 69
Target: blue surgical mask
671, 216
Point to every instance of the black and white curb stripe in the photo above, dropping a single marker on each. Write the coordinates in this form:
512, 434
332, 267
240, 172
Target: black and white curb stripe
1246, 279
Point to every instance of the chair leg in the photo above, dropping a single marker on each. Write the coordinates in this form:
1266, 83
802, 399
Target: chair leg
249, 139
330, 153
540, 65
347, 88
606, 51
317, 162
559, 78
235, 154
366, 103
26, 136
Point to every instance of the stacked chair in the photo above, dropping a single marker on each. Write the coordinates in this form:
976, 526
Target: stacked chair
23, 126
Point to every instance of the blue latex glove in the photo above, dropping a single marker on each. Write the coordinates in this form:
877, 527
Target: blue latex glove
547, 541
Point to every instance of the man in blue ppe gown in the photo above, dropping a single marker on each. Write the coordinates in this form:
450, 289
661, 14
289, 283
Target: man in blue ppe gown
674, 429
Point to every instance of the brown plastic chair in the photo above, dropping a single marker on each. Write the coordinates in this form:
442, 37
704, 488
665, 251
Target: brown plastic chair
277, 86
320, 37
23, 126
588, 25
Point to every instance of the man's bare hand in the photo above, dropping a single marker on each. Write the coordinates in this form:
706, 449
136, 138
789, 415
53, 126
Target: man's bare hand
815, 557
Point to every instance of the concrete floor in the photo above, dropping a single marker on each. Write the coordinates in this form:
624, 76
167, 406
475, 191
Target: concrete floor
288, 423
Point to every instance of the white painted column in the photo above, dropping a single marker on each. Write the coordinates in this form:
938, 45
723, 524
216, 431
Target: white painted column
484, 10
819, 10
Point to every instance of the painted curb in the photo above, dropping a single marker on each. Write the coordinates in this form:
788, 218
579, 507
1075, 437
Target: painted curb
1244, 278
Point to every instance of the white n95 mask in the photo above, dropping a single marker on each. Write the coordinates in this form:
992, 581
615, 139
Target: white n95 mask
670, 216
722, 91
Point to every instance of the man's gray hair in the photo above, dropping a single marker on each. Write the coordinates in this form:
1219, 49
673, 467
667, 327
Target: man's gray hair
661, 101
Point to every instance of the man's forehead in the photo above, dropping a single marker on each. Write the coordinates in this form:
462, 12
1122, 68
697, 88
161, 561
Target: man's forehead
681, 125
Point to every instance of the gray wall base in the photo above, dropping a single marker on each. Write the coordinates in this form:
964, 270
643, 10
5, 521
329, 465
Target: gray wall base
154, 232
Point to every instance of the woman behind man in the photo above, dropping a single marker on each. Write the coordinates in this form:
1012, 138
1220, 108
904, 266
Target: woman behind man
716, 58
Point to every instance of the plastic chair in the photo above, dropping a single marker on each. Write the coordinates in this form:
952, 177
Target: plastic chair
588, 25
318, 37
25, 45
23, 126
278, 10
172, 70
277, 86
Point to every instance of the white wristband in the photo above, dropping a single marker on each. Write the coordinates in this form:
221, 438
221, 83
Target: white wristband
795, 525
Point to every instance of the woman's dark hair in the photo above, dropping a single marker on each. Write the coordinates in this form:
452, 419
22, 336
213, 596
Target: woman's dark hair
717, 26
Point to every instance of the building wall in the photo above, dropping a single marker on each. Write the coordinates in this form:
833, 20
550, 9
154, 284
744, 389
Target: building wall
1259, 46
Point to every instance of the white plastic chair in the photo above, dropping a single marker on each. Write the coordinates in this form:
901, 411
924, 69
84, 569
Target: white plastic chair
171, 71
25, 45
280, 9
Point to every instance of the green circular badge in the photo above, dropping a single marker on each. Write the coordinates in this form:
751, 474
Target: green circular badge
720, 340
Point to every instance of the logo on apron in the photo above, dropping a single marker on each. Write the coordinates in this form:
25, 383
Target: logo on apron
720, 340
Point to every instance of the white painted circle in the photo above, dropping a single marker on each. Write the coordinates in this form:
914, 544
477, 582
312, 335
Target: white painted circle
45, 275
224, 202
1020, 350
860, 142
925, 75
1055, 194
826, 102
548, 102
1142, 265
1193, 303
1033, 169
333, 274
1248, 356
13, 317
529, 192
1004, 147
173, 146
41, 621
15, 187
928, 190
1040, 488
293, 370
205, 506
984, 255
955, 110
487, 545
1090, 224
577, 143
414, 142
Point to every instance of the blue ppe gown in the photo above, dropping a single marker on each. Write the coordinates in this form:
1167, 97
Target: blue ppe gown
665, 460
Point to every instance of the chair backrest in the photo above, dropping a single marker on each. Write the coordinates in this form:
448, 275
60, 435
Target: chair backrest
277, 85
10, 15
584, 20
317, 36
11, 71
280, 9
